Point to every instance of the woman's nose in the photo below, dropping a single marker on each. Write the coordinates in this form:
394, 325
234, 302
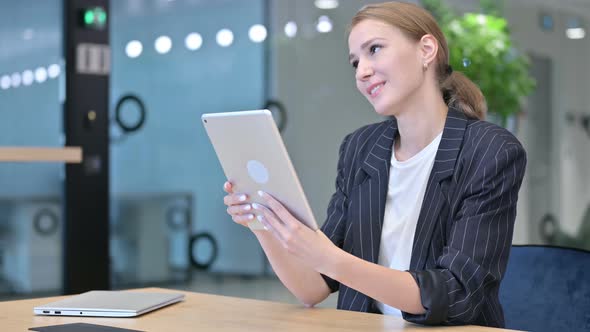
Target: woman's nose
363, 71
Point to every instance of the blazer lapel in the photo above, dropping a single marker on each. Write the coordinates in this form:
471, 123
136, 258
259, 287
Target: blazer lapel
373, 193
434, 198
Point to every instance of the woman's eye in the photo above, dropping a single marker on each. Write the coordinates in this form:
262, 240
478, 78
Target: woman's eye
374, 48
355, 64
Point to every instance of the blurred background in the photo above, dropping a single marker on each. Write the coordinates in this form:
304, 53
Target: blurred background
171, 61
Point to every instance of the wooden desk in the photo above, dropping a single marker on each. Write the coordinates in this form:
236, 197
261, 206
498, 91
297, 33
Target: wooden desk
203, 312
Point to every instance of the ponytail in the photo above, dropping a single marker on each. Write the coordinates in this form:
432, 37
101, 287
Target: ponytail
460, 92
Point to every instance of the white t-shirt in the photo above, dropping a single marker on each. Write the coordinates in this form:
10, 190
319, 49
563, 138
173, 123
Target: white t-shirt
407, 186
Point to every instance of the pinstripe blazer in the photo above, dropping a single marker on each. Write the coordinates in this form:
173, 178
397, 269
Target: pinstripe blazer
464, 230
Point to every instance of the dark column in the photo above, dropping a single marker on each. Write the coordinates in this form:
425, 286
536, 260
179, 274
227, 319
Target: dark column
86, 231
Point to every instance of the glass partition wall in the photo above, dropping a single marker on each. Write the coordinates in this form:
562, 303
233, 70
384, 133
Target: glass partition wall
31, 95
172, 62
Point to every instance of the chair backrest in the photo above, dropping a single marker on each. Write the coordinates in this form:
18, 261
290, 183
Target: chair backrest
547, 289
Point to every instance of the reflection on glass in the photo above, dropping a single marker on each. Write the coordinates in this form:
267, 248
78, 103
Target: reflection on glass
193, 41
225, 37
324, 24
5, 82
133, 49
40, 75
257, 33
15, 80
53, 71
163, 44
291, 29
575, 33
28, 77
326, 4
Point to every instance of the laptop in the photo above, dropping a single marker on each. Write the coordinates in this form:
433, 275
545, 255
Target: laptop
109, 304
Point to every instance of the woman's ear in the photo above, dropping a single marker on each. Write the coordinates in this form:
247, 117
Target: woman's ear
428, 47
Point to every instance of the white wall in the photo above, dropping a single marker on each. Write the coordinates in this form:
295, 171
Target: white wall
570, 151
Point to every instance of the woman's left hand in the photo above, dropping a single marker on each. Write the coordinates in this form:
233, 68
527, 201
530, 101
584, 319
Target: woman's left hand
312, 247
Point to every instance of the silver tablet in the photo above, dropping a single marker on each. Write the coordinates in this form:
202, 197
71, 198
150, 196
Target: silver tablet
253, 157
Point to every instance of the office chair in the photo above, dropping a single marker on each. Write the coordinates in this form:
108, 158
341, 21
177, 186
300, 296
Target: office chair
547, 289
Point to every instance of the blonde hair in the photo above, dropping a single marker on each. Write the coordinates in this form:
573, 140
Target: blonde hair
415, 22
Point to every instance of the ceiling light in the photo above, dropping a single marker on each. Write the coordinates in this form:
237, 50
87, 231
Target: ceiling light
326, 4
28, 77
5, 82
133, 49
193, 41
53, 70
225, 37
324, 24
291, 29
163, 44
40, 75
257, 33
575, 33
15, 80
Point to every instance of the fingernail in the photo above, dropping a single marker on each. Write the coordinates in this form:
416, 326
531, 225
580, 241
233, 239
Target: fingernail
255, 206
242, 198
247, 207
260, 193
250, 216
263, 221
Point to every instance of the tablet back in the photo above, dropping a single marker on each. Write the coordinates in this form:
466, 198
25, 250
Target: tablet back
253, 157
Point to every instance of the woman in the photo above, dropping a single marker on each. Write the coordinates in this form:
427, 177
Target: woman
422, 218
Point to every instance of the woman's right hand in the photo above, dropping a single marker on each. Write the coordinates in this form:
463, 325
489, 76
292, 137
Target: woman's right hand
237, 208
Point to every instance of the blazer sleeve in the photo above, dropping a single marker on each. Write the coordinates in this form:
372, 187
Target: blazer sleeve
335, 224
474, 259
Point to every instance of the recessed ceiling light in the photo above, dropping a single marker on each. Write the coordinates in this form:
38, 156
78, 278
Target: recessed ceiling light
326, 4
134, 49
15, 80
40, 74
28, 77
575, 33
324, 24
53, 70
257, 33
225, 37
163, 44
193, 41
291, 29
5, 82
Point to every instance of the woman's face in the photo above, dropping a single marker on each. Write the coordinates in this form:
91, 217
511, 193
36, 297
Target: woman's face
389, 66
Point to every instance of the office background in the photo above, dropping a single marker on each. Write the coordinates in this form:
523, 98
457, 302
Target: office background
182, 58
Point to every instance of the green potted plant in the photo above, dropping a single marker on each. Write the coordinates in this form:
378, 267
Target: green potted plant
480, 47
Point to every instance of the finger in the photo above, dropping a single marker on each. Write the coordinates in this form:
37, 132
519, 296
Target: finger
228, 187
271, 219
271, 227
243, 219
239, 209
233, 199
280, 210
